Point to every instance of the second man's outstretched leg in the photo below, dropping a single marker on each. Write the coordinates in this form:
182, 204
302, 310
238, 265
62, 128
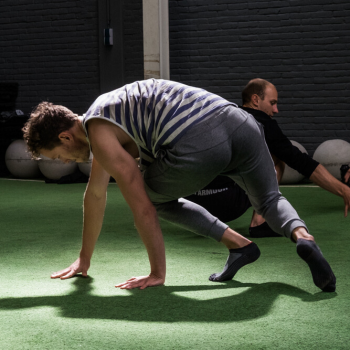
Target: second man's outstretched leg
194, 218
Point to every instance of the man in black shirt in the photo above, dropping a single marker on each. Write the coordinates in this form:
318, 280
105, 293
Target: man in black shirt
224, 199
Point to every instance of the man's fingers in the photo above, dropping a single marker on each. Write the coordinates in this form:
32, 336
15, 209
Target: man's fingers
60, 273
347, 176
346, 210
129, 284
69, 275
78, 266
126, 283
122, 285
140, 282
145, 285
130, 279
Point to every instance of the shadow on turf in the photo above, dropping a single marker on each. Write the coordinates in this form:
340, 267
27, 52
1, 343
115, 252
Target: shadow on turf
161, 304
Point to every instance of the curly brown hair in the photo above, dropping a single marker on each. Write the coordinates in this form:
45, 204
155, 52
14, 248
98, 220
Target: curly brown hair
46, 122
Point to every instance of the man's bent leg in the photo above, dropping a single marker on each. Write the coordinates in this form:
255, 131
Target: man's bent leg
198, 220
253, 169
192, 217
256, 174
258, 226
195, 218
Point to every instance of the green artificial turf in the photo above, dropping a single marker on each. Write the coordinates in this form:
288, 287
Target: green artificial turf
271, 304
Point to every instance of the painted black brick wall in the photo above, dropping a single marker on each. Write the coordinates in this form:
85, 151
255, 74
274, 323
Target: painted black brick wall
50, 47
300, 46
133, 40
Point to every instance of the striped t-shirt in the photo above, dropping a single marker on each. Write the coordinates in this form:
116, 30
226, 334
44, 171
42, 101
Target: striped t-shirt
155, 113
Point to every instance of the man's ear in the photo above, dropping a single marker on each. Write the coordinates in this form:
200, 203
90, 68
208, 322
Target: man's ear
65, 137
255, 100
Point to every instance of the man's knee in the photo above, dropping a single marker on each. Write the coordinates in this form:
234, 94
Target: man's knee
263, 204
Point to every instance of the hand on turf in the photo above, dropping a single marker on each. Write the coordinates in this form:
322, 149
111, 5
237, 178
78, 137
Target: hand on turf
142, 282
79, 265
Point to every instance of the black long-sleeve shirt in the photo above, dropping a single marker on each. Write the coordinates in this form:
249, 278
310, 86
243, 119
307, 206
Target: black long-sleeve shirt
280, 146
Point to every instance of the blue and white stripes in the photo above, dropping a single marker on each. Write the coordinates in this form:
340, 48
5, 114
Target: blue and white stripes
155, 113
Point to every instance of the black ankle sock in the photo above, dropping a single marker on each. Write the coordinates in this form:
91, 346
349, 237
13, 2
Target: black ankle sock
237, 259
263, 230
322, 273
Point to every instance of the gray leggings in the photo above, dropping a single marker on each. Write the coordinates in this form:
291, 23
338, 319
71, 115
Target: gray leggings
230, 143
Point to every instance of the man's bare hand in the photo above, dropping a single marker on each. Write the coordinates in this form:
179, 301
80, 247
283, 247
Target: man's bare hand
346, 197
142, 282
347, 176
80, 265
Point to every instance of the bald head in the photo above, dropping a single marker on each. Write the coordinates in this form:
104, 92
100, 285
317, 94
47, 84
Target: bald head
262, 95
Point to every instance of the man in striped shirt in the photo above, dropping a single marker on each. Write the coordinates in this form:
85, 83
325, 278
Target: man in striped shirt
184, 137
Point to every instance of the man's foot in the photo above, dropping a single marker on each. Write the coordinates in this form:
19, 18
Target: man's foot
322, 273
238, 258
263, 230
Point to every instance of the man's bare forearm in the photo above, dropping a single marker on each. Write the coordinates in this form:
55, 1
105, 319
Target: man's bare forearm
149, 229
94, 208
324, 179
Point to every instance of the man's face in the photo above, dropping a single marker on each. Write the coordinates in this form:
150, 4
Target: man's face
78, 152
269, 103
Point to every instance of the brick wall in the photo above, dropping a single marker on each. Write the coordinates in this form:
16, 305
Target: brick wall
133, 40
50, 47
300, 46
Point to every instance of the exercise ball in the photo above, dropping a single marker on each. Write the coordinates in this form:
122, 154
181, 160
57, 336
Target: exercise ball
19, 161
332, 154
291, 176
85, 167
55, 169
